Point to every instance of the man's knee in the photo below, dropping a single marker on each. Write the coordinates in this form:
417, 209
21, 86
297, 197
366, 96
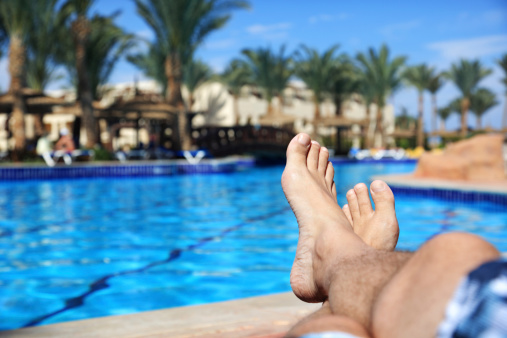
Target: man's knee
459, 247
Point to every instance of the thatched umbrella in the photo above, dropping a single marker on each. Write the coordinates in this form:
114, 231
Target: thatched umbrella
37, 105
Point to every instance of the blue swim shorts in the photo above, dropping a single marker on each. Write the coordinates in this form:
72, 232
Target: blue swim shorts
479, 305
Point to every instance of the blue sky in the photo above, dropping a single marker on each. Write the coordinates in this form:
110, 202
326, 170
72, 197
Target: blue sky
435, 32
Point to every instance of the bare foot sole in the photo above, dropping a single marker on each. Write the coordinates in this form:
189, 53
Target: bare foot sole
307, 182
378, 228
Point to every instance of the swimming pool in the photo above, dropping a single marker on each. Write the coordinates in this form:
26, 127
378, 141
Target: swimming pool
75, 249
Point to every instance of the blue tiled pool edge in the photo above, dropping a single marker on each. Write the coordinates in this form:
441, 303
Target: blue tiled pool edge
451, 194
156, 168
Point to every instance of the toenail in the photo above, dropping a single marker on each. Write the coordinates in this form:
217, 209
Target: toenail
324, 149
304, 139
378, 186
360, 186
316, 143
350, 193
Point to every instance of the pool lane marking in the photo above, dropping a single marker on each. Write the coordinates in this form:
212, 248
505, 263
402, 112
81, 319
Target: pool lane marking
101, 283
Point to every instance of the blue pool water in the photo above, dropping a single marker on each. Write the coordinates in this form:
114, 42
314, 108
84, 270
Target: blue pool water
75, 249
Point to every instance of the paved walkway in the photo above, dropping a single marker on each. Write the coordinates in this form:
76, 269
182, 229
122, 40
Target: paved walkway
265, 316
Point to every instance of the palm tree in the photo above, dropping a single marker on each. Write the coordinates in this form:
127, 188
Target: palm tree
107, 43
317, 71
235, 76
383, 74
419, 77
17, 19
480, 102
180, 26
282, 72
345, 82
444, 114
435, 83
194, 75
404, 120
47, 25
80, 29
466, 75
503, 64
367, 91
262, 65
152, 64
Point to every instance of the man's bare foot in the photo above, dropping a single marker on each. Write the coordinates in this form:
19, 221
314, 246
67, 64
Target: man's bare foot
307, 182
377, 228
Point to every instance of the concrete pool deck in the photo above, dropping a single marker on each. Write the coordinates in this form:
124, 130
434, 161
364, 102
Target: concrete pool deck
409, 181
265, 316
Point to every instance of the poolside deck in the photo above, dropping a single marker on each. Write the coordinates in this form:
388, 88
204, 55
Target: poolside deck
266, 316
409, 181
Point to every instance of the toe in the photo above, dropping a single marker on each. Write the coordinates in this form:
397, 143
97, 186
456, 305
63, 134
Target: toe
353, 205
363, 199
346, 211
297, 150
323, 159
312, 159
383, 197
333, 191
330, 174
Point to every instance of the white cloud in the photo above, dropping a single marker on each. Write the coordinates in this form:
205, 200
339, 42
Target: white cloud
145, 34
263, 29
218, 63
327, 18
453, 50
470, 22
220, 44
394, 30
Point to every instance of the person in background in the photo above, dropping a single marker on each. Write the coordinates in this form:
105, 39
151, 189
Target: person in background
65, 143
44, 149
64, 146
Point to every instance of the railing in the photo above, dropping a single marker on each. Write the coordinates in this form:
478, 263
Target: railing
223, 141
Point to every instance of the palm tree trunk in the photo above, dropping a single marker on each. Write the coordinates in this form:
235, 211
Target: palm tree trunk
173, 74
236, 109
17, 59
81, 31
434, 108
338, 105
379, 128
465, 103
368, 138
442, 124
270, 108
316, 111
479, 122
190, 101
420, 129
504, 122
174, 97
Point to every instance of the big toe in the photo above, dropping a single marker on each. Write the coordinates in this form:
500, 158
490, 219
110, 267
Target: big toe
298, 149
383, 197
